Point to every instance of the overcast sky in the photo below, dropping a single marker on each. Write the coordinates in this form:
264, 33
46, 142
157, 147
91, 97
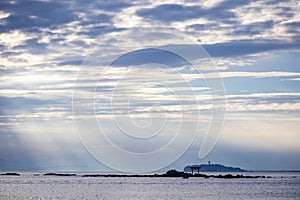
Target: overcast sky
255, 46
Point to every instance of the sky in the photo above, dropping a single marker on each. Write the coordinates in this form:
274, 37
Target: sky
147, 85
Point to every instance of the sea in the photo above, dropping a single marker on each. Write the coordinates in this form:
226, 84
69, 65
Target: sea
280, 185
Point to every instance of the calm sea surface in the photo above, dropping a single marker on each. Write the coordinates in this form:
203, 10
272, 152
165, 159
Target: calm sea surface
28, 186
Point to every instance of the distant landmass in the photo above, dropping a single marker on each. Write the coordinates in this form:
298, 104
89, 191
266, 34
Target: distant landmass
212, 168
168, 174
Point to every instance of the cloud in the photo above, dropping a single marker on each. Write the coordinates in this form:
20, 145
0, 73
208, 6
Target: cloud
241, 48
171, 12
246, 47
71, 62
13, 38
33, 46
99, 30
292, 28
31, 14
111, 6
150, 55
44, 43
175, 12
248, 30
22, 106
263, 102
268, 74
252, 20
220, 11
254, 28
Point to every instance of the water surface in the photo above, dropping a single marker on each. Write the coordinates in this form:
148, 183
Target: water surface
28, 186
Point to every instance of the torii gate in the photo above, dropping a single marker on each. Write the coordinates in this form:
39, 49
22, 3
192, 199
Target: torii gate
196, 168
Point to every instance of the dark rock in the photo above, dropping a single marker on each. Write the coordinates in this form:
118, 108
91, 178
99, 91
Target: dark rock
174, 173
10, 174
55, 174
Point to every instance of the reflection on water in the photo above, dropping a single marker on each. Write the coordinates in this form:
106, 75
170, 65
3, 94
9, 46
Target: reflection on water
27, 186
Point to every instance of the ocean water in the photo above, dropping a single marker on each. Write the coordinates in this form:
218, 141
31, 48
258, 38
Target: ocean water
28, 186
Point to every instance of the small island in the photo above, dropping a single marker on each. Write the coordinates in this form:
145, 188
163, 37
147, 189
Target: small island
212, 168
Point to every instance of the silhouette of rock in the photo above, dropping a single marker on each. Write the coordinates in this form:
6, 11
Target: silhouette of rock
174, 173
55, 174
10, 174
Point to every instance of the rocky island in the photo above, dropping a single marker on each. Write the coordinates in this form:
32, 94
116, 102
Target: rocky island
212, 168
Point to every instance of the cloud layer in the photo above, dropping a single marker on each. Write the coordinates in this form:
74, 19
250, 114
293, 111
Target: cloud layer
254, 44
